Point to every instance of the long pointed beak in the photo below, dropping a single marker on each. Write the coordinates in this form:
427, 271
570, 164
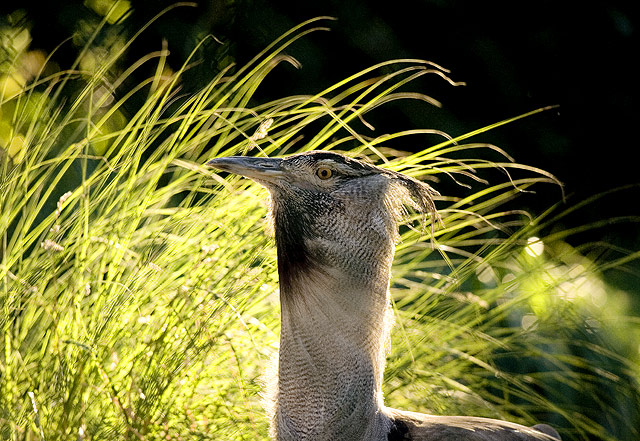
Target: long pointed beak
261, 170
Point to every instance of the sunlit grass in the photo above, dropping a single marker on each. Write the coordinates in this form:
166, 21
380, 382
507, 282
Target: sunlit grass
139, 290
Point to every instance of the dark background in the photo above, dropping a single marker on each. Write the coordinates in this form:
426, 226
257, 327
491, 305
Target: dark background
513, 56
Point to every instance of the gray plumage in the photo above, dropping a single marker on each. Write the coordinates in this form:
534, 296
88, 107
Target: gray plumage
335, 221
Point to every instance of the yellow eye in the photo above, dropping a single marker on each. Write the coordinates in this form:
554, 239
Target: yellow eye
324, 173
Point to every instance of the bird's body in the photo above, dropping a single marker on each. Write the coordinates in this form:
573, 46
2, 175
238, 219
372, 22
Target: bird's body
335, 222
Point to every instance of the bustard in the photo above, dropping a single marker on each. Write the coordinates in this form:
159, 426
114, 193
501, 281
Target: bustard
335, 221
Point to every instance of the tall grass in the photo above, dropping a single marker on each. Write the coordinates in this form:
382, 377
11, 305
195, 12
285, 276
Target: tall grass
139, 290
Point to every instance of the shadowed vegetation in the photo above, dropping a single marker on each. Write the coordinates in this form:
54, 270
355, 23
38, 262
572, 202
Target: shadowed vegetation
139, 293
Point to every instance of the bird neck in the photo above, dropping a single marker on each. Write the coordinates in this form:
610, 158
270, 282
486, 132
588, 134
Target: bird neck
334, 264
331, 359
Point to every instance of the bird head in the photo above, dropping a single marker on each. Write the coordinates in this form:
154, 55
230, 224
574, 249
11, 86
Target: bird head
332, 213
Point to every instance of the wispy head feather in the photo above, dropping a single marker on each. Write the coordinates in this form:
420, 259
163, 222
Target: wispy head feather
407, 191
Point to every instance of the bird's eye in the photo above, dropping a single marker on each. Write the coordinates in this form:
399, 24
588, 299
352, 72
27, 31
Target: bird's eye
324, 173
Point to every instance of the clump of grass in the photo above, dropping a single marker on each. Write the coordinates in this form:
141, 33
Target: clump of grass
139, 291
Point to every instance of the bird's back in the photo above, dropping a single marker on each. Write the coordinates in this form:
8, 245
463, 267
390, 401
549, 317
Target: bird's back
412, 426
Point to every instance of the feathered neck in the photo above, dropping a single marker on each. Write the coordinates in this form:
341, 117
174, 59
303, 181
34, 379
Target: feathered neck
336, 318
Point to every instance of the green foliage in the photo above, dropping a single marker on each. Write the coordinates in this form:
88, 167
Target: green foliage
139, 290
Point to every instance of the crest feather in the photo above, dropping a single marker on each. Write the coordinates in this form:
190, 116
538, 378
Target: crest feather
408, 191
